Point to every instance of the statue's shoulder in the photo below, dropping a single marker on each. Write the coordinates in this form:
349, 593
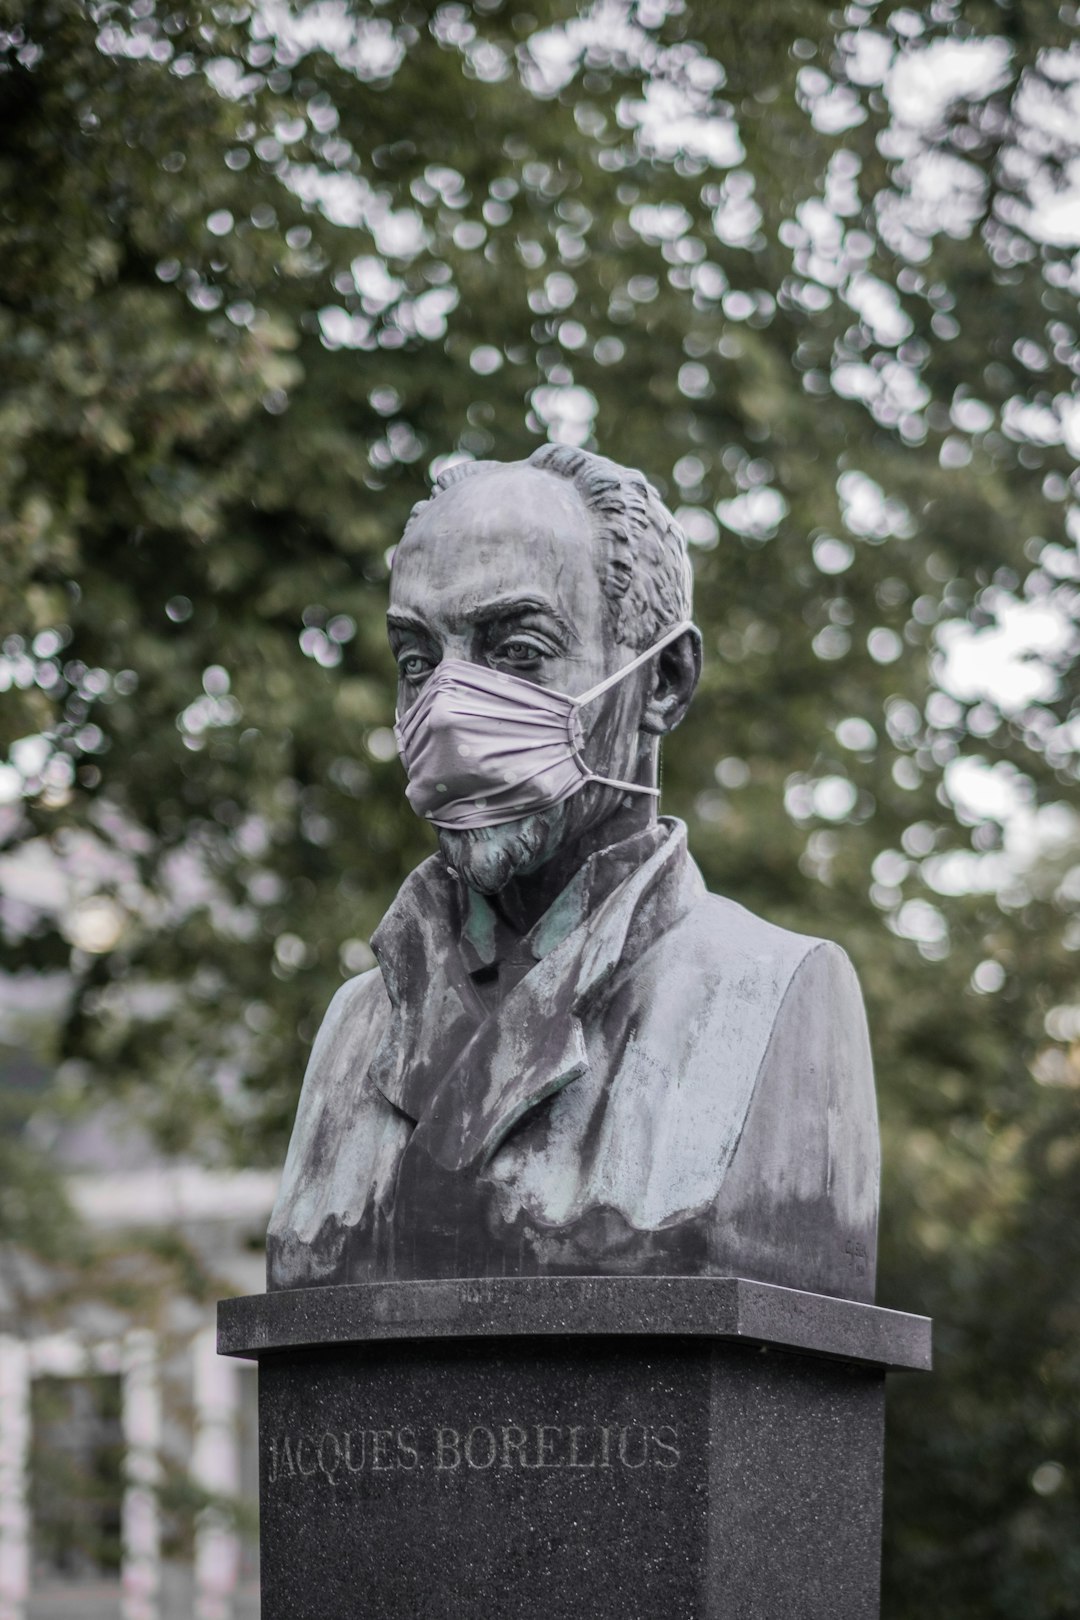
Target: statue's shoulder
359, 996
718, 932
355, 1018
717, 987
730, 969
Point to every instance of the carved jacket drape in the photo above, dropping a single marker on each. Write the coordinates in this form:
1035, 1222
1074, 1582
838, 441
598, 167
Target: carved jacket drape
653, 1080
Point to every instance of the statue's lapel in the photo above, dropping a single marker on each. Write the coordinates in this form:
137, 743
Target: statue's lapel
526, 1051
534, 1045
433, 1007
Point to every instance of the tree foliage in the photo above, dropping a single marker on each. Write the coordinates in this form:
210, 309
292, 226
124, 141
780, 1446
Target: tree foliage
261, 269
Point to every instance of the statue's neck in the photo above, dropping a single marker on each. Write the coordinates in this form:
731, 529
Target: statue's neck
520, 905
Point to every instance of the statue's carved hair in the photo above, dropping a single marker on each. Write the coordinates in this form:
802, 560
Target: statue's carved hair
646, 569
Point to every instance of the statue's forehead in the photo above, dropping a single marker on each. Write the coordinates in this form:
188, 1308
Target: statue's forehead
495, 532
514, 498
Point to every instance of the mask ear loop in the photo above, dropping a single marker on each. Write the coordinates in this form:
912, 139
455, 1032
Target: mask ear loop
598, 691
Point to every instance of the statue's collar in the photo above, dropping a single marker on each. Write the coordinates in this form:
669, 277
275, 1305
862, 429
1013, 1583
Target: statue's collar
482, 933
466, 1076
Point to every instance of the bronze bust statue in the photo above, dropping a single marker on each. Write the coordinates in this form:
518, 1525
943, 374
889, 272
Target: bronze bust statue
571, 1058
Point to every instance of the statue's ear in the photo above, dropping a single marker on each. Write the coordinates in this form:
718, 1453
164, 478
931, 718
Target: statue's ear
674, 680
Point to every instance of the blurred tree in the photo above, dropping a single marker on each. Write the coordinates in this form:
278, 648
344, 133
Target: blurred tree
263, 268
34, 1216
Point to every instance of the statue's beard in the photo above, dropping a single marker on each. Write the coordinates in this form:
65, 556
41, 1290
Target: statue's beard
488, 858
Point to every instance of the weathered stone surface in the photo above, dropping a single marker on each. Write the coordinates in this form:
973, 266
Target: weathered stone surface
735, 1132
571, 1059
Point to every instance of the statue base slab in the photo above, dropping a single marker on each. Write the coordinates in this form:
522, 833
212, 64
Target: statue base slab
557, 1447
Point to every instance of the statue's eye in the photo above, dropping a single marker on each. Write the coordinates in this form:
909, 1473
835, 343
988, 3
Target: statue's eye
519, 651
414, 666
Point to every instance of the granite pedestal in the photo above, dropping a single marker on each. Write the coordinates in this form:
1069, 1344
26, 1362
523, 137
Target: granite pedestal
548, 1448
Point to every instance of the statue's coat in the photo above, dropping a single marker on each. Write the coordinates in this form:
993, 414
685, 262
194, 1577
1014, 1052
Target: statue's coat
661, 1083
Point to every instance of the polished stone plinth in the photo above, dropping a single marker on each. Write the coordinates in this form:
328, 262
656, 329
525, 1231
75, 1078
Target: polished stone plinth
541, 1448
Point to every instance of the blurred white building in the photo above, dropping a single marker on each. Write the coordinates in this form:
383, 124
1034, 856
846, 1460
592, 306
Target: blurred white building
115, 1430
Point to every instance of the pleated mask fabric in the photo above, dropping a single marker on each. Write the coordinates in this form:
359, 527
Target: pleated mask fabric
482, 748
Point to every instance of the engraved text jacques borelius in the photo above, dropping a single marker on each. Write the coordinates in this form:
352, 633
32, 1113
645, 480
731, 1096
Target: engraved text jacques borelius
335, 1454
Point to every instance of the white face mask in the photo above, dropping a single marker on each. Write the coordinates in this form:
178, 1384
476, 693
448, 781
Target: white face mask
482, 748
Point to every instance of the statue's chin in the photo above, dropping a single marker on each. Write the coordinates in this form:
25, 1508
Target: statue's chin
488, 858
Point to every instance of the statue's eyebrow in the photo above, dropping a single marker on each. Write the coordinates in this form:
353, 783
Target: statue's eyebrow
396, 620
517, 605
513, 605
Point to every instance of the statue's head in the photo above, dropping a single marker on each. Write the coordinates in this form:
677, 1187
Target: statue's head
558, 571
